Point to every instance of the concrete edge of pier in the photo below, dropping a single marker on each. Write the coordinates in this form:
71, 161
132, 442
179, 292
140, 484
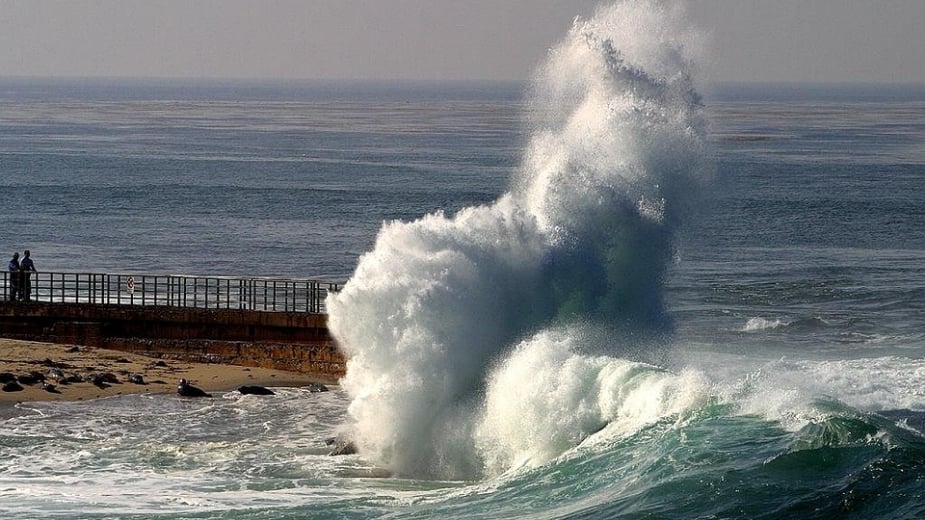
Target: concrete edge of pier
293, 341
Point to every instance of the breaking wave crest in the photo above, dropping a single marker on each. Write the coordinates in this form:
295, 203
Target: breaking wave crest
507, 333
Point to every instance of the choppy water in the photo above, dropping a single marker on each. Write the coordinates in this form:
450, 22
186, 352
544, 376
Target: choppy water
499, 352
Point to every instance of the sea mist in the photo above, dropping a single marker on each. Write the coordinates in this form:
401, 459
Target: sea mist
506, 334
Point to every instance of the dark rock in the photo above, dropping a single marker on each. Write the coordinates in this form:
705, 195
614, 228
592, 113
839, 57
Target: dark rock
255, 390
316, 387
343, 448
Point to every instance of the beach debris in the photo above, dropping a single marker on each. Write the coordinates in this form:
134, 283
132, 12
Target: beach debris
255, 390
316, 387
137, 379
12, 386
185, 389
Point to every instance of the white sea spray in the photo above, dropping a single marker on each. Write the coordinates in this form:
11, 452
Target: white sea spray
582, 240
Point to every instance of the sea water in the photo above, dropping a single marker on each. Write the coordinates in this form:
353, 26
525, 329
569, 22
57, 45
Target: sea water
612, 292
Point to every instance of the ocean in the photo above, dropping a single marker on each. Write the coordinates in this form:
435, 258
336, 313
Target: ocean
612, 292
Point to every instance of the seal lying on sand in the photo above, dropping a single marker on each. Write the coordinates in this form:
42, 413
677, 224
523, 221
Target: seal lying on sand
187, 390
12, 386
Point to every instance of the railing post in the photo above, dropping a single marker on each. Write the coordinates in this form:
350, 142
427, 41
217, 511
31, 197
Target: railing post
314, 296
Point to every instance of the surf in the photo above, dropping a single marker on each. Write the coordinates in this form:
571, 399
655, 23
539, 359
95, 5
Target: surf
443, 319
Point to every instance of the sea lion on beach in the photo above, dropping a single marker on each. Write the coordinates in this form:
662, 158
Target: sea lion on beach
12, 386
73, 378
187, 390
137, 379
99, 381
32, 378
255, 390
109, 377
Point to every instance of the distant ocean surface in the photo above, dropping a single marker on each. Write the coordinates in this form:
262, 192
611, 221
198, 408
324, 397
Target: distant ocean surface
787, 375
253, 179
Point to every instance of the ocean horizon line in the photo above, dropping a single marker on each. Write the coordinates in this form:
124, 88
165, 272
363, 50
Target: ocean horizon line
361, 88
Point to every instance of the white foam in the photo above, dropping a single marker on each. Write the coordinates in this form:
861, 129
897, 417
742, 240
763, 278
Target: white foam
545, 399
236, 452
758, 324
584, 236
788, 391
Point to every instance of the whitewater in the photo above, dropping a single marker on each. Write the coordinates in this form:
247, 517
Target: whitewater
448, 317
612, 294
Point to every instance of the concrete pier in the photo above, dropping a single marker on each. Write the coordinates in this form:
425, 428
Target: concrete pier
294, 341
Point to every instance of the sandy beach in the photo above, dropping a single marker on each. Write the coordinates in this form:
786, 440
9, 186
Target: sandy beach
69, 372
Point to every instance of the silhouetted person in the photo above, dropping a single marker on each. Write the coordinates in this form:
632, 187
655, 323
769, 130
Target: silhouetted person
13, 268
26, 267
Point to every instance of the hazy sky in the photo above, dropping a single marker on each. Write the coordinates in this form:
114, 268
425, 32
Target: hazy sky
750, 40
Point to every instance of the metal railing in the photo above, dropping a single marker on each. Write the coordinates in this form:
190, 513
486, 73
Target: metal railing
209, 292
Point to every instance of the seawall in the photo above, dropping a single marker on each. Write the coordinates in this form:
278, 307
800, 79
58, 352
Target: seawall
294, 341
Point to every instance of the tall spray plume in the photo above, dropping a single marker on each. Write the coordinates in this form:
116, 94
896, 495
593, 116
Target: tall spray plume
447, 314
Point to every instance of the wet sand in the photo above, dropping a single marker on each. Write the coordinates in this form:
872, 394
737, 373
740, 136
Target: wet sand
113, 370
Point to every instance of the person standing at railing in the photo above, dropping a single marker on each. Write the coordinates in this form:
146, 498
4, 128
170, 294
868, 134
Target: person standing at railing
27, 267
13, 268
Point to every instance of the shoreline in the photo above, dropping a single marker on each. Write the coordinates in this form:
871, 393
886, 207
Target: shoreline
58, 364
